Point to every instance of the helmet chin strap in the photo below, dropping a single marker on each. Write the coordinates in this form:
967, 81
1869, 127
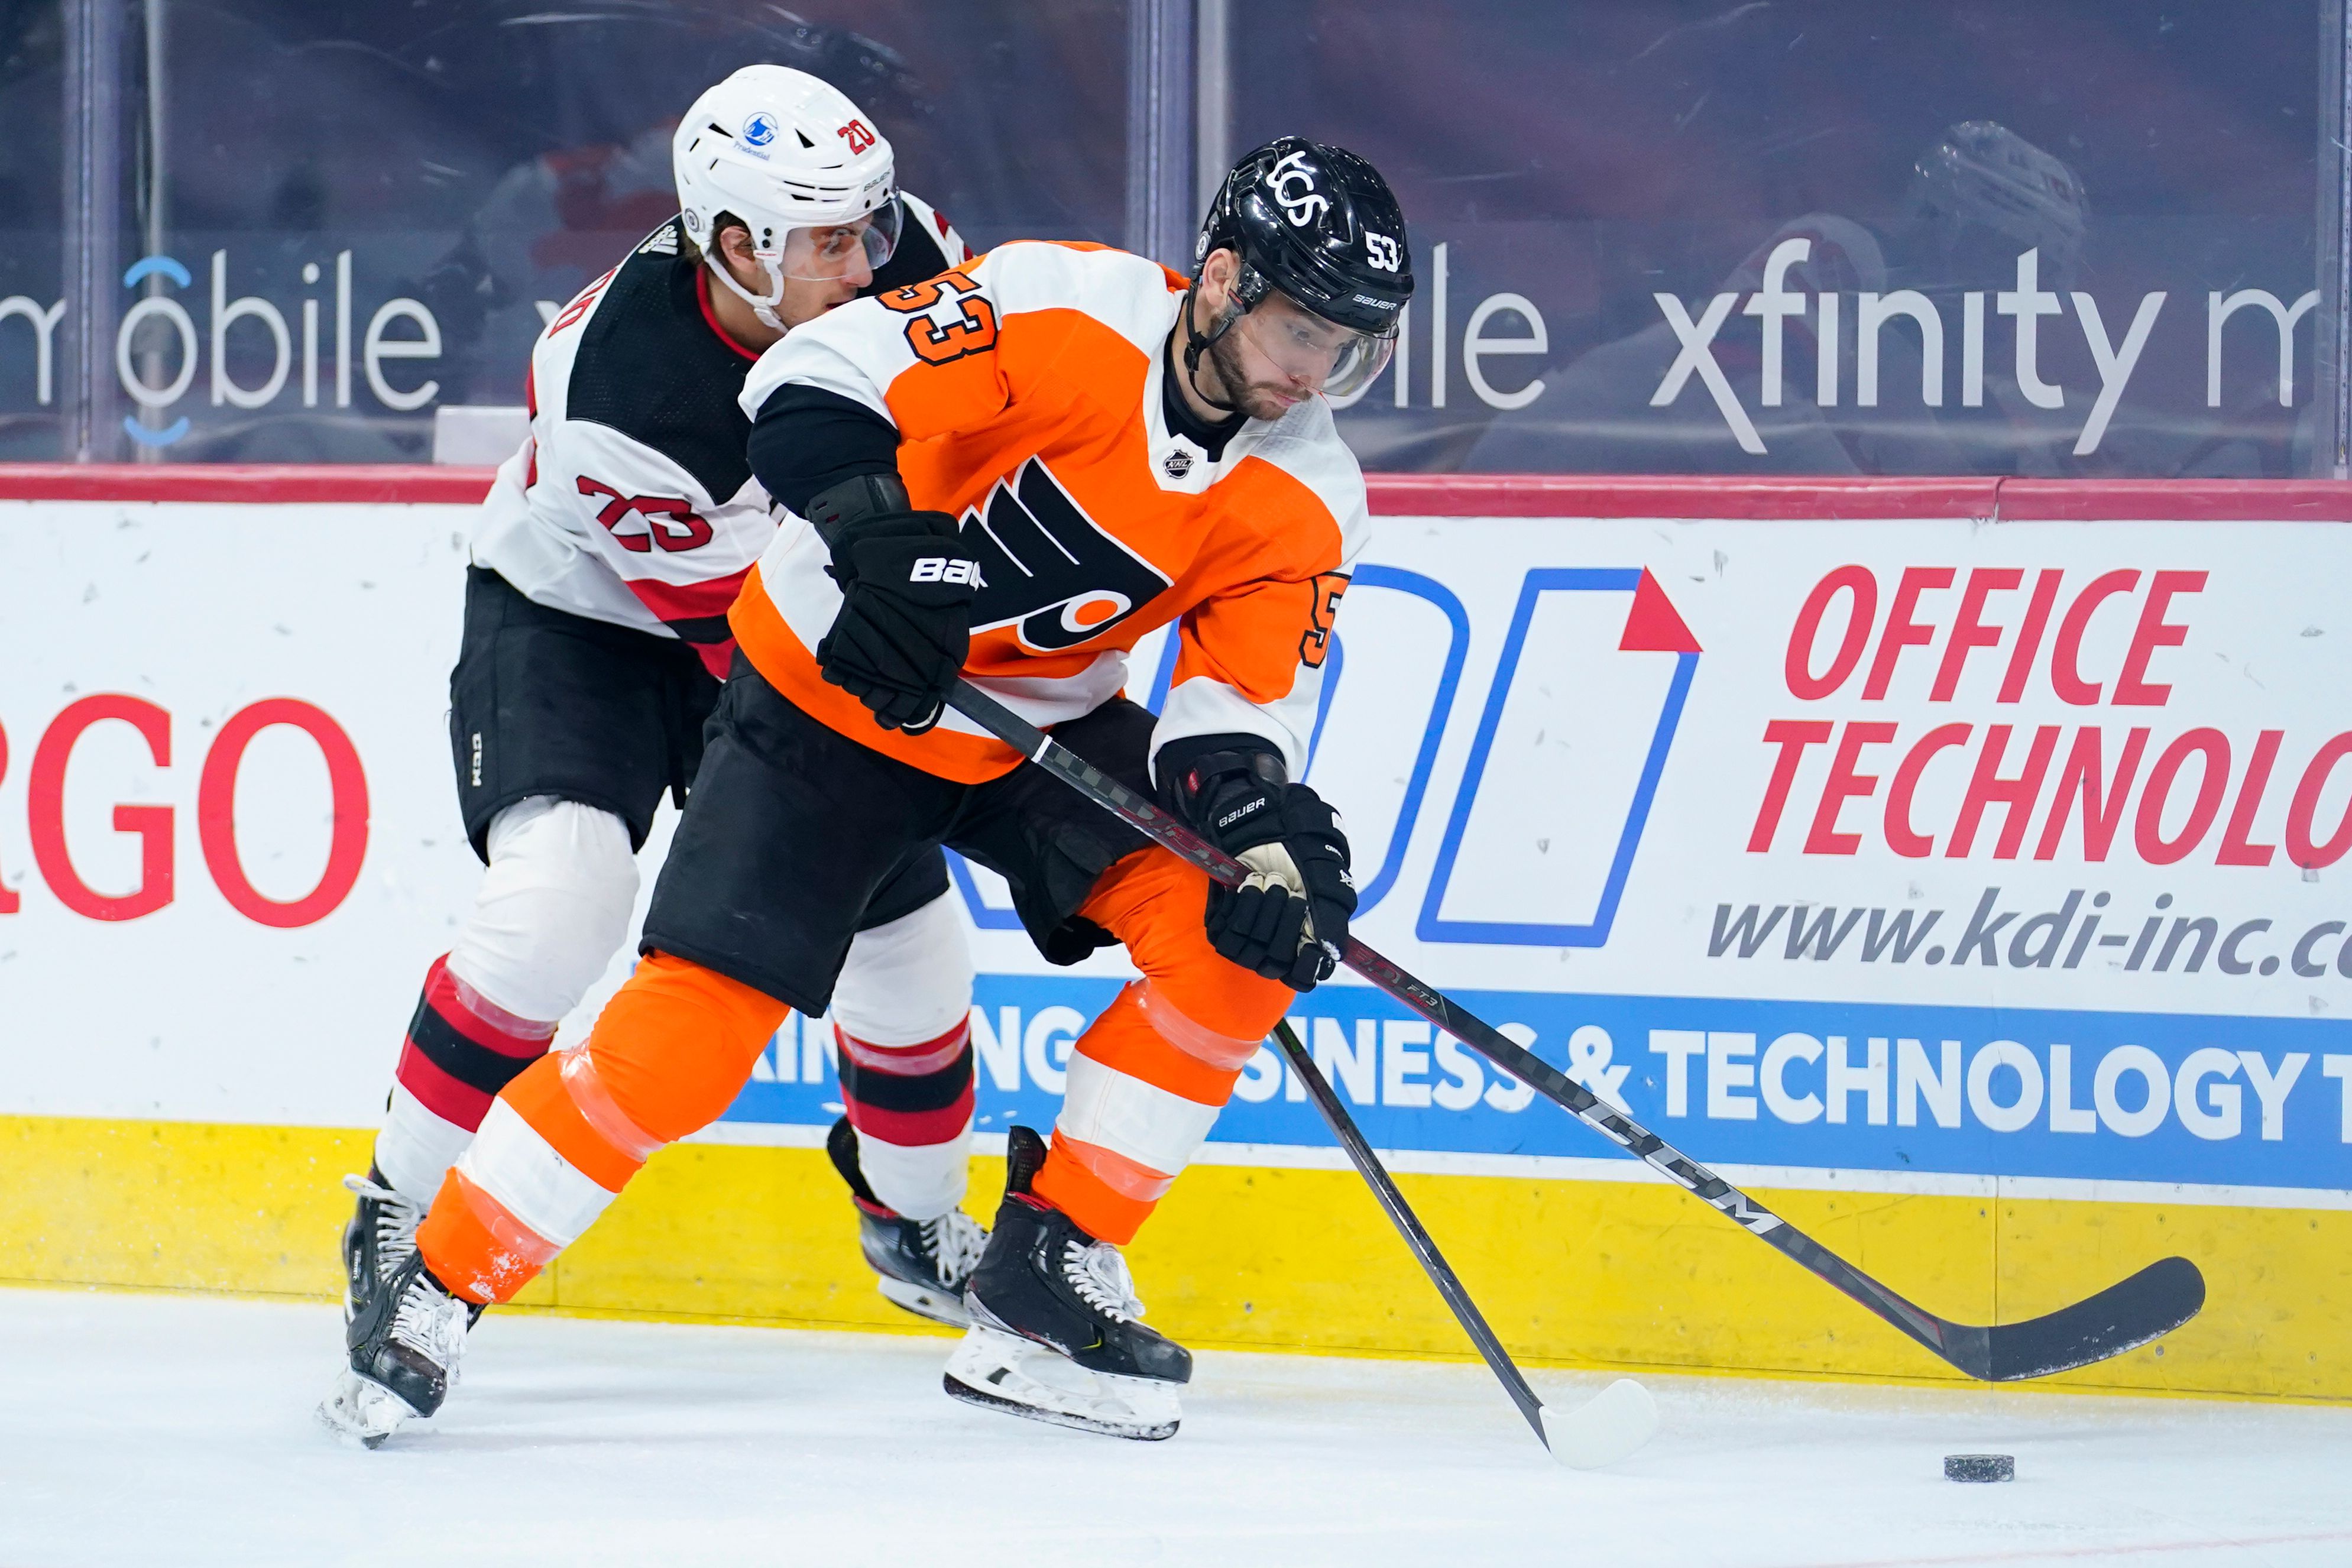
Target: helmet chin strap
764, 308
1195, 345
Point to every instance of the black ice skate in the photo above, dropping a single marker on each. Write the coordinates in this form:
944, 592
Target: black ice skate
404, 1342
1053, 1334
379, 1239
920, 1263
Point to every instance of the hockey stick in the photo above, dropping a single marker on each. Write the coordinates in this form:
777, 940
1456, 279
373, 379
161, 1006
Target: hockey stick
1605, 1428
2129, 1313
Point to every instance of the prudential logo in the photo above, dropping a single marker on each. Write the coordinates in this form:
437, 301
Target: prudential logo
158, 351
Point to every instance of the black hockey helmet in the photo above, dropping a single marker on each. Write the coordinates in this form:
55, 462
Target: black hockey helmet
1317, 224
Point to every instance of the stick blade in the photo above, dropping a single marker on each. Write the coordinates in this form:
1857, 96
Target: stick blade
1610, 1427
2124, 1316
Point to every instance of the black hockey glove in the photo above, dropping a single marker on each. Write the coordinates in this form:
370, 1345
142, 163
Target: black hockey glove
1288, 921
906, 588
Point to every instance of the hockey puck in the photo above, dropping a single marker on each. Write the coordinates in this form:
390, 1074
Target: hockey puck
1979, 1468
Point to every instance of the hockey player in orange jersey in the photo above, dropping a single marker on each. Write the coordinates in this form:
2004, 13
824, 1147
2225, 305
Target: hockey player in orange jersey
1011, 471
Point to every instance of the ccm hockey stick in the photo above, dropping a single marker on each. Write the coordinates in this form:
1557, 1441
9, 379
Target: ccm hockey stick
2129, 1313
1605, 1428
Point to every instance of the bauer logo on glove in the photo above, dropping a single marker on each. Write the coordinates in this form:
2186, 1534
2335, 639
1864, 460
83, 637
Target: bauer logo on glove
1288, 920
940, 569
904, 624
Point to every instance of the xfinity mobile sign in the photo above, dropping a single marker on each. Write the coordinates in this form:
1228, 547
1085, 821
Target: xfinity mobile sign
1813, 335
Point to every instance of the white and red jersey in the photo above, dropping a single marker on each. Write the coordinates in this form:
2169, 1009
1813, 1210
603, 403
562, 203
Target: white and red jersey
632, 500
1028, 393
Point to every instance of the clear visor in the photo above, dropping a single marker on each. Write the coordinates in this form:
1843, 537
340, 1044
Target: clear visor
852, 251
1310, 355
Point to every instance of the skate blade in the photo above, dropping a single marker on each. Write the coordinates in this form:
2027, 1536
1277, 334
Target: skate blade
361, 1411
924, 1302
1610, 1427
998, 1370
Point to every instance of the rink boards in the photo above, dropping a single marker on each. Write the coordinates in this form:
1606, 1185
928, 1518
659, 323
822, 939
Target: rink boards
1962, 872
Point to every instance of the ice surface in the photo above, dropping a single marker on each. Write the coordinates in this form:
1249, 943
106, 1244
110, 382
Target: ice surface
165, 1431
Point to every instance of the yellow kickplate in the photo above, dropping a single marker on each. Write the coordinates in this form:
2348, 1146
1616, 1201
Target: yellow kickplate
1588, 1274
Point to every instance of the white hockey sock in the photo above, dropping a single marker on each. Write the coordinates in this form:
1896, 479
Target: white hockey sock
550, 910
902, 1017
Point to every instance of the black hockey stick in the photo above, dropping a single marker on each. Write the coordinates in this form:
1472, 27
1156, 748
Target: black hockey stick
2129, 1313
1603, 1430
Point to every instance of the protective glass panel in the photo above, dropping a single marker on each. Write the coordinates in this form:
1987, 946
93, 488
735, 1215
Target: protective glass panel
377, 208
2028, 236
32, 219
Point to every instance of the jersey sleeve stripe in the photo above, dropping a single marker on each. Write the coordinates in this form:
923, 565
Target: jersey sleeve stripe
1207, 706
690, 602
802, 357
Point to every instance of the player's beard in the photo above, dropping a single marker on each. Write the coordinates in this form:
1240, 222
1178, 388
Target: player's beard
1259, 400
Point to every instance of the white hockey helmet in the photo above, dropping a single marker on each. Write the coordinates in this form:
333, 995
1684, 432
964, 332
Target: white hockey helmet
799, 165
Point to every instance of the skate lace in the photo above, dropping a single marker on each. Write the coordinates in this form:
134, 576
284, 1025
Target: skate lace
1099, 1274
430, 1320
396, 1219
955, 1242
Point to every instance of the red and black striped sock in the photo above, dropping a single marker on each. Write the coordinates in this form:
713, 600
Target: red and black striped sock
918, 1099
462, 1049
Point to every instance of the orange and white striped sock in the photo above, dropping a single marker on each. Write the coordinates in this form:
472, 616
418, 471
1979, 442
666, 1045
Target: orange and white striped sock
1150, 1076
672, 1049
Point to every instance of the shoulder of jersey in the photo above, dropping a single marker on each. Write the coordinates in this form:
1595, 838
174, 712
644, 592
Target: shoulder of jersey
648, 365
1129, 293
1305, 444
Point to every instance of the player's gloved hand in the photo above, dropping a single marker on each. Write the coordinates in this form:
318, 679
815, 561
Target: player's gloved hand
907, 586
1289, 920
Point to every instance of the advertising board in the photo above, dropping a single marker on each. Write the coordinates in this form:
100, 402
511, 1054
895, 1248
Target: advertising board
1923, 841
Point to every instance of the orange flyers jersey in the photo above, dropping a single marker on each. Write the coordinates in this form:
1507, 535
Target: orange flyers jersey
1025, 388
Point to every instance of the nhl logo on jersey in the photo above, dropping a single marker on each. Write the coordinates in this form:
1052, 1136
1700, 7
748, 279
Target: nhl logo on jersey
1049, 571
1177, 464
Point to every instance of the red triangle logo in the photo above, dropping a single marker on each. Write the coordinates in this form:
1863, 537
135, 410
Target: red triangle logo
1652, 626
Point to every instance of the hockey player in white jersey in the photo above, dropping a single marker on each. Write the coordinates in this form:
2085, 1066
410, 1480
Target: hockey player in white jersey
603, 561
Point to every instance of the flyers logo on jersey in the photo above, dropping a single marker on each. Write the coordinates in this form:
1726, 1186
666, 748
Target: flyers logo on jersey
1048, 570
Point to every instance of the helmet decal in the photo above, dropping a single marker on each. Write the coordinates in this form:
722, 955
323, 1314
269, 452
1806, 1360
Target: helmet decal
1293, 184
759, 132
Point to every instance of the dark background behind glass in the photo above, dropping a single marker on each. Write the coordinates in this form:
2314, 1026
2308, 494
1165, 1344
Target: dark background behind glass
486, 158
1587, 156
32, 204
483, 158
